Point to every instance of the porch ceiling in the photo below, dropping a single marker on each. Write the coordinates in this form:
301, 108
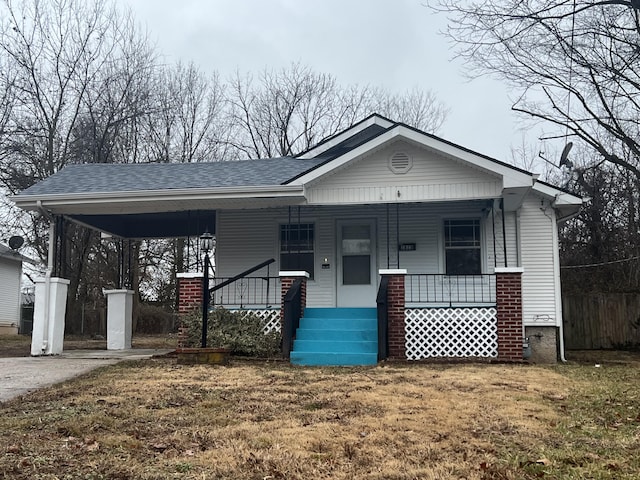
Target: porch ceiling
152, 225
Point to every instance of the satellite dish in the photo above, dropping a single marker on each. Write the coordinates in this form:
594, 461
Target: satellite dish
564, 161
16, 242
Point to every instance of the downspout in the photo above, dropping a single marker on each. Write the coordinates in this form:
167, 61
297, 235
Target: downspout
556, 274
47, 275
556, 241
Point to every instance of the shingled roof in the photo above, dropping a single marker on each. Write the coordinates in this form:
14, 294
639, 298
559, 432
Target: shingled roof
100, 177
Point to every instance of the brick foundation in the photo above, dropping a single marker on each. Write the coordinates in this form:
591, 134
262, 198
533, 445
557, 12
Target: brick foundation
395, 313
509, 313
189, 299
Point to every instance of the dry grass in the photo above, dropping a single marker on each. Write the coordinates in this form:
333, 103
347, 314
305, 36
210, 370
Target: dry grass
20, 345
159, 420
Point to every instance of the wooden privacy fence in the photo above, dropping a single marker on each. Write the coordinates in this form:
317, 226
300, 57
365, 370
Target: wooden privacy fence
604, 320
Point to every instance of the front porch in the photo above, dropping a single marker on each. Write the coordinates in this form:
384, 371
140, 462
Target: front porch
417, 317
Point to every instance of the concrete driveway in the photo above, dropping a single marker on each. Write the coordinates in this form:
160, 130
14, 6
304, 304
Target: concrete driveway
20, 375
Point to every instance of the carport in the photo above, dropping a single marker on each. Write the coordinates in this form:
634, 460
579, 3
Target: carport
141, 201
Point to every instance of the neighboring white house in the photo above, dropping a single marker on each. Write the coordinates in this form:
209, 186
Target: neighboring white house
10, 278
379, 197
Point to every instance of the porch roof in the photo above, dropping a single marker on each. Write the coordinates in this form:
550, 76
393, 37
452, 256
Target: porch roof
163, 199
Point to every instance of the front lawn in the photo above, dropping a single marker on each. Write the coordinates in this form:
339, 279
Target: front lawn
157, 420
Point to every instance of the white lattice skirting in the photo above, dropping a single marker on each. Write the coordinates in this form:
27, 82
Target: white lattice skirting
270, 317
451, 333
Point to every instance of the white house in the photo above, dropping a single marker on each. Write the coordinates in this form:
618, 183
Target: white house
10, 278
380, 200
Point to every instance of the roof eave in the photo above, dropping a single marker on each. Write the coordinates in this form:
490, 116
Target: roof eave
32, 202
559, 197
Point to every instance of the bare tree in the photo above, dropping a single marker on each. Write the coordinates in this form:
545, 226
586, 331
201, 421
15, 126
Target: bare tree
417, 108
286, 112
77, 72
603, 241
187, 123
573, 64
118, 97
7, 99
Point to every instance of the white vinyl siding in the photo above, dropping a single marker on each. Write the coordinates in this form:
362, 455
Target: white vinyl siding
248, 237
431, 178
538, 253
10, 272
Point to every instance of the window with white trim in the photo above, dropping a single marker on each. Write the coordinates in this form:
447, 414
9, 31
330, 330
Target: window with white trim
297, 247
462, 246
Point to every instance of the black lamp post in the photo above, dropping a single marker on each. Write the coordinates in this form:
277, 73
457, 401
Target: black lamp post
207, 243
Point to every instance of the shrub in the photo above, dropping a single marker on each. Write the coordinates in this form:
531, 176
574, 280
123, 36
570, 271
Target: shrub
154, 319
241, 331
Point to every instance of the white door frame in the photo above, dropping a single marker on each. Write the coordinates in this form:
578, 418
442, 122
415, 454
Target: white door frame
357, 295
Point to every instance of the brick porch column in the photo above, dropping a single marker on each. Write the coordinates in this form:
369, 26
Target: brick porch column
286, 280
509, 313
189, 299
395, 313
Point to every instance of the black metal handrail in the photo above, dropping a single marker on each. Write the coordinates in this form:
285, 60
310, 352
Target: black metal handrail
292, 314
241, 275
450, 290
252, 290
383, 318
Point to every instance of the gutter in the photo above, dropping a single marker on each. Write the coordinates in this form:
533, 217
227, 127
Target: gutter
175, 194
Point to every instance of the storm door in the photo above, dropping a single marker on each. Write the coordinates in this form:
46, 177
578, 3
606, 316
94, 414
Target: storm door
357, 275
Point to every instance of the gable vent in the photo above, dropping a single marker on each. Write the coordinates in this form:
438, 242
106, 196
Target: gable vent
400, 162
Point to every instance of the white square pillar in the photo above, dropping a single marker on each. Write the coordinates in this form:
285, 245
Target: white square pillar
49, 310
119, 315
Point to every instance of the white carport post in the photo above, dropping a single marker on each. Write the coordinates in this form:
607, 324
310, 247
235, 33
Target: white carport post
49, 308
119, 315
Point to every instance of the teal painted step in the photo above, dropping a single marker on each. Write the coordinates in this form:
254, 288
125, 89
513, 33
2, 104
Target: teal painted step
340, 312
336, 336
333, 359
334, 346
319, 323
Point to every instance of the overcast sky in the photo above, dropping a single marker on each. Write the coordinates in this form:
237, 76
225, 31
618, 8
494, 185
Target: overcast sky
394, 44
